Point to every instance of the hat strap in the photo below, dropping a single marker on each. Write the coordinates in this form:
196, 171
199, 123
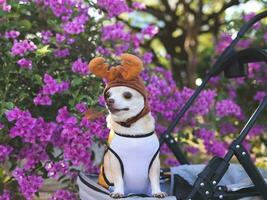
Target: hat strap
132, 120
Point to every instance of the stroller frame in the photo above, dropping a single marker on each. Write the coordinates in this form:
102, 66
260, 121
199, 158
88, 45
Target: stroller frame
206, 185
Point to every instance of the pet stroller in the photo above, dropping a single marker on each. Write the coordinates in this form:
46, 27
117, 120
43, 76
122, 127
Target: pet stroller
218, 179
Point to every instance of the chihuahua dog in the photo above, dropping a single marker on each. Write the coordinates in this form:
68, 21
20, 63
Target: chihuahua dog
131, 162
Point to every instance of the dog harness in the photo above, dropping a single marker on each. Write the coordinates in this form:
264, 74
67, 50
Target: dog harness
136, 154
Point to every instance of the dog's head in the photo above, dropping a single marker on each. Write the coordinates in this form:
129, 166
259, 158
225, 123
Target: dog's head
123, 102
125, 92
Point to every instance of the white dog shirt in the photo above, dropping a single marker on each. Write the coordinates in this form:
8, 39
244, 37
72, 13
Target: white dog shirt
136, 155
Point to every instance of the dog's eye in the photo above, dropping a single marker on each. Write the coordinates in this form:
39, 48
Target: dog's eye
127, 95
107, 95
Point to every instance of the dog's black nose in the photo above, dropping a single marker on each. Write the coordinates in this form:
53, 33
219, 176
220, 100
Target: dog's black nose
110, 102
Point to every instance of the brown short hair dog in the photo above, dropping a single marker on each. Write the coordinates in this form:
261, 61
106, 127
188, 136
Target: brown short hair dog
131, 162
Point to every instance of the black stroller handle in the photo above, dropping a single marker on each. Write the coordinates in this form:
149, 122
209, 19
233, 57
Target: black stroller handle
229, 51
252, 55
218, 67
217, 167
236, 65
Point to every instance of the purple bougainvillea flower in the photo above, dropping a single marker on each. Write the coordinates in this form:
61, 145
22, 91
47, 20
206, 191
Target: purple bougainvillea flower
1, 126
149, 31
46, 36
6, 195
50, 88
80, 67
60, 38
41, 99
77, 25
139, 5
259, 96
13, 34
5, 7
227, 128
25, 63
224, 41
81, 107
63, 195
115, 32
61, 53
22, 47
227, 107
147, 57
28, 184
5, 150
249, 16
114, 7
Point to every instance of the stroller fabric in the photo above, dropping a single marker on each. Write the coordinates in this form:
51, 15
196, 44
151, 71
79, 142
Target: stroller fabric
90, 190
235, 179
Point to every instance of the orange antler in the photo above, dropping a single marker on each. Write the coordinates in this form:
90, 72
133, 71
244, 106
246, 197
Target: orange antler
101, 69
130, 67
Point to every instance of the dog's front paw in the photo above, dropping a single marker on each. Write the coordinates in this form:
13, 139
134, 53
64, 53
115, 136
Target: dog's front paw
116, 195
160, 195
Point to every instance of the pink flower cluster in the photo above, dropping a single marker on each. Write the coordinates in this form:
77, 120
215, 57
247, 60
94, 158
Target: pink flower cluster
29, 185
117, 39
113, 7
225, 40
139, 5
259, 96
60, 8
22, 47
55, 170
211, 144
81, 107
72, 23
80, 67
5, 6
166, 99
46, 36
61, 53
63, 195
25, 63
227, 107
115, 32
30, 129
50, 88
149, 31
33, 154
75, 139
13, 34
5, 150
77, 25
6, 195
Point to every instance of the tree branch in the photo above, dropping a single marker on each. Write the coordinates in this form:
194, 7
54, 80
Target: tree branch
155, 12
224, 7
188, 8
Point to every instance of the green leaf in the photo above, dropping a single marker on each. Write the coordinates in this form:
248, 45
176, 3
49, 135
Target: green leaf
25, 25
38, 79
8, 105
43, 51
76, 81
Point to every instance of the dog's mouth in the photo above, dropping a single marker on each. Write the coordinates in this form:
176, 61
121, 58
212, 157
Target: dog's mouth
115, 110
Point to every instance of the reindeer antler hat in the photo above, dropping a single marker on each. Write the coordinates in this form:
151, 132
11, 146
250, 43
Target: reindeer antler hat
124, 74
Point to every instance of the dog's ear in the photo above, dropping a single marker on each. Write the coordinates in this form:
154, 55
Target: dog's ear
130, 67
101, 69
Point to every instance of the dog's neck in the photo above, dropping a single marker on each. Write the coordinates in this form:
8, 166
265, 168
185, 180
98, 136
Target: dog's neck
142, 126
